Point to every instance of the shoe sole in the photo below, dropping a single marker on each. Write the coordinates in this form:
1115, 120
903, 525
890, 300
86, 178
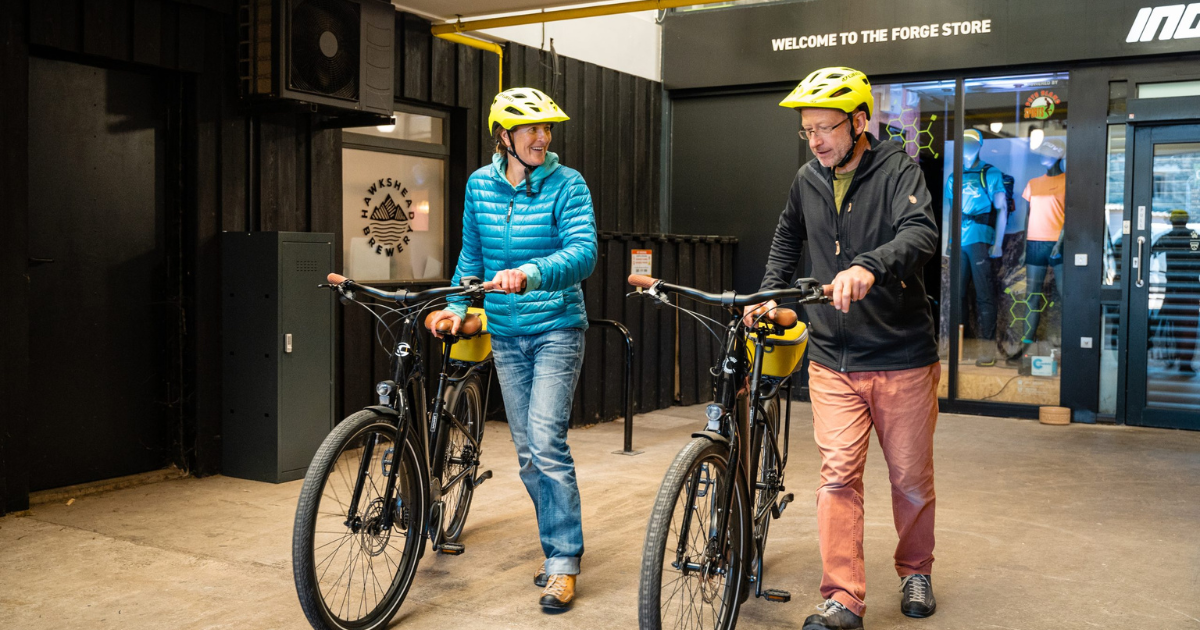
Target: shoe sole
555, 607
916, 615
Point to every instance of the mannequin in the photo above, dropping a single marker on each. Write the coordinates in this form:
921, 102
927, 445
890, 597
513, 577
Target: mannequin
1046, 196
984, 217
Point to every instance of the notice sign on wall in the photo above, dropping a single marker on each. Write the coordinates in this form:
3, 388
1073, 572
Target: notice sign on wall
641, 262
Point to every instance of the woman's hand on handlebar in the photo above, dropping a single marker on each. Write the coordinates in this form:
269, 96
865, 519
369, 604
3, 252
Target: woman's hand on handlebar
507, 281
752, 311
455, 323
851, 285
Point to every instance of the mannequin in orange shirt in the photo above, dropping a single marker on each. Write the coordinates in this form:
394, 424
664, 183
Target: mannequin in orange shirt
1046, 199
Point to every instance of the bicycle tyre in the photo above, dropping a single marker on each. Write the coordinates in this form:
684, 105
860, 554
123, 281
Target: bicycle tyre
689, 467
465, 400
307, 538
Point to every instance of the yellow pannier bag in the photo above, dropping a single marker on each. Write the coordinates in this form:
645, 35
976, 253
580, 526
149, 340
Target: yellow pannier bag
783, 352
476, 348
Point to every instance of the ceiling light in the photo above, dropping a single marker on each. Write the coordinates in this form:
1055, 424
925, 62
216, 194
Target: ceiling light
1035, 139
996, 127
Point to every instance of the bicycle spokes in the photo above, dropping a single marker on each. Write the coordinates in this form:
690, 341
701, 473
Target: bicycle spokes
356, 557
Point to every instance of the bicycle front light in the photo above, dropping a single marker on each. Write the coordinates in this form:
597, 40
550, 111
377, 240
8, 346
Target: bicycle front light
384, 390
714, 412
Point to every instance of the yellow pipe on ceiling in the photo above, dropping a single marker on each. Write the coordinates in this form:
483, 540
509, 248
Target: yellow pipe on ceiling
480, 44
566, 14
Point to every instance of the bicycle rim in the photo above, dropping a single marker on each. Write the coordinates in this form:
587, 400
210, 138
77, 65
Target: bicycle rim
359, 570
693, 589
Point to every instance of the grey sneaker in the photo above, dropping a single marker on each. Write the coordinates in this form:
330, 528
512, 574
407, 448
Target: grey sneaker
834, 616
917, 600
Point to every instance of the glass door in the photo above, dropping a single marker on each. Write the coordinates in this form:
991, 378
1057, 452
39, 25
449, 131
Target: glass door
1164, 279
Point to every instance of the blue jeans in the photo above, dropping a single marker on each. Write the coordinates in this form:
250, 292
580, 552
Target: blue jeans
537, 376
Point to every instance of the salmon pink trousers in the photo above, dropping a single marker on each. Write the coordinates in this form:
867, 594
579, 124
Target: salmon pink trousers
902, 406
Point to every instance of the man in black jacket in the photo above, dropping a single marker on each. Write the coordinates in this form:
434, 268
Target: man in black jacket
864, 210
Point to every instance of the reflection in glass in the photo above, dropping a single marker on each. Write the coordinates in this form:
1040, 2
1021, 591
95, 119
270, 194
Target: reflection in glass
1174, 278
920, 116
1109, 345
1114, 204
393, 214
413, 127
1010, 242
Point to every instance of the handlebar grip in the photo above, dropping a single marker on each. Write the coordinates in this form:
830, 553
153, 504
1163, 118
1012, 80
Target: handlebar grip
335, 278
644, 282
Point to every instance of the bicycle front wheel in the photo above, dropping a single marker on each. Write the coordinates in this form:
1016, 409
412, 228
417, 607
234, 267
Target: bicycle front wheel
352, 570
686, 582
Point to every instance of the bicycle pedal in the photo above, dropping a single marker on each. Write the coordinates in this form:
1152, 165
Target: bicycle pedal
776, 595
484, 476
778, 508
451, 549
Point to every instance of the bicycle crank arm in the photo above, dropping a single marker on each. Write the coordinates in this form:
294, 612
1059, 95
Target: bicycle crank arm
483, 476
778, 508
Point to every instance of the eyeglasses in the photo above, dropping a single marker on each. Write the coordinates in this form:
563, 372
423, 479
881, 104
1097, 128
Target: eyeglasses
822, 132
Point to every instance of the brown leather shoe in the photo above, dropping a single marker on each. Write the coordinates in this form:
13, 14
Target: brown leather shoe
539, 580
559, 592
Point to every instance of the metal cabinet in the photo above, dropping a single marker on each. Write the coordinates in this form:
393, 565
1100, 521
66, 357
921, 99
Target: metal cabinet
278, 352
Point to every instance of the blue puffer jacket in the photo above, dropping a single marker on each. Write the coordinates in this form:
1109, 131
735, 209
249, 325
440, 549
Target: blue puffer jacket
550, 236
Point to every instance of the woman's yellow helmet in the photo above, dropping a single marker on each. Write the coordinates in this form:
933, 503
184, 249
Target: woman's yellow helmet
833, 88
523, 106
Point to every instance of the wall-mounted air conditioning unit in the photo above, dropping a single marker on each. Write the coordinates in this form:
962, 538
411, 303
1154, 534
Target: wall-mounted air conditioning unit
331, 55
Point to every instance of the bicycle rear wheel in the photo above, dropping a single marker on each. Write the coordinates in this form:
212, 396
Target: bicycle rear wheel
353, 573
459, 456
685, 582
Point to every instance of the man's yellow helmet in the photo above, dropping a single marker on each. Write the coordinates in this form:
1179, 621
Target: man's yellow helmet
523, 106
833, 88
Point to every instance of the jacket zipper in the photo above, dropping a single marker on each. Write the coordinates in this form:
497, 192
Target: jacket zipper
512, 299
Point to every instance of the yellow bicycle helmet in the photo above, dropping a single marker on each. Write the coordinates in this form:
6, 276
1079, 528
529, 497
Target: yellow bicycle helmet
833, 88
523, 106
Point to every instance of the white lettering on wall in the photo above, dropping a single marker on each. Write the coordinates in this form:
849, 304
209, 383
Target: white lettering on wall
875, 36
1175, 21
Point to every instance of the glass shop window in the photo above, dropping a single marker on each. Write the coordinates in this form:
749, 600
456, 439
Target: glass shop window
394, 199
920, 116
1010, 245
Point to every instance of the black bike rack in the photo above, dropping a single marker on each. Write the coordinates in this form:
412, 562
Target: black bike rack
627, 395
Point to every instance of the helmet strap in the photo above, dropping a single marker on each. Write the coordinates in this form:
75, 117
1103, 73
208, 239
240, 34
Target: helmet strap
528, 169
853, 145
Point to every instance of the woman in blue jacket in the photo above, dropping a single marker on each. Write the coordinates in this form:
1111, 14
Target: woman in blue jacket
528, 225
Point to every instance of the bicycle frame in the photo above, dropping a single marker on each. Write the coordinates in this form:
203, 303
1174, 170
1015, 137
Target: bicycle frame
408, 404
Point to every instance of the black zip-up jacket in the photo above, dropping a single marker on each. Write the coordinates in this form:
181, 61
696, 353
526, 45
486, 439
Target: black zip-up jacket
886, 226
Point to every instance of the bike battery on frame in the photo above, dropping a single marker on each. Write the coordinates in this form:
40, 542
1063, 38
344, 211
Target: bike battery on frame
278, 352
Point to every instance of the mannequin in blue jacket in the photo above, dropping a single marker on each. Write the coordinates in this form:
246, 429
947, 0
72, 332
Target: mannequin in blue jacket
528, 225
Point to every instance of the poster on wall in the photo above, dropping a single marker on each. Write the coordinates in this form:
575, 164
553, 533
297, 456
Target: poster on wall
393, 214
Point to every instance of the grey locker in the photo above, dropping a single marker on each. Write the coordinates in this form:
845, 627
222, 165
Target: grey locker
278, 352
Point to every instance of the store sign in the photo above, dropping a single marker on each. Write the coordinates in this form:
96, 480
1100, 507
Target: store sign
387, 215
1176, 21
1040, 105
781, 42
876, 36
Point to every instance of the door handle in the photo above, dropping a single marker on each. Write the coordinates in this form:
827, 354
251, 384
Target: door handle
1137, 262
39, 261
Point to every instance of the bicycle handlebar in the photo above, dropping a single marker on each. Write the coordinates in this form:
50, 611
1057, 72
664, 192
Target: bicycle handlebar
812, 291
403, 295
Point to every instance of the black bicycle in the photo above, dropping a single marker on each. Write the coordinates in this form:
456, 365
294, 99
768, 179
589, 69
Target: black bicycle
393, 475
707, 534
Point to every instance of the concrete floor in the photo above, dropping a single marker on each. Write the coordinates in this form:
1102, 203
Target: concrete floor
1038, 527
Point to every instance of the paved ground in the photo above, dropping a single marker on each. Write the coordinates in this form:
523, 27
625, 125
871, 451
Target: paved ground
1038, 527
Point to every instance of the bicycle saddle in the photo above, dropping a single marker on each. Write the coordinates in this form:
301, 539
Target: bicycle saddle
471, 325
785, 318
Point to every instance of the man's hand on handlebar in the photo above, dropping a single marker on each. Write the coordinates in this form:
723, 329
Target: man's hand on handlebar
752, 311
506, 281
455, 323
851, 285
